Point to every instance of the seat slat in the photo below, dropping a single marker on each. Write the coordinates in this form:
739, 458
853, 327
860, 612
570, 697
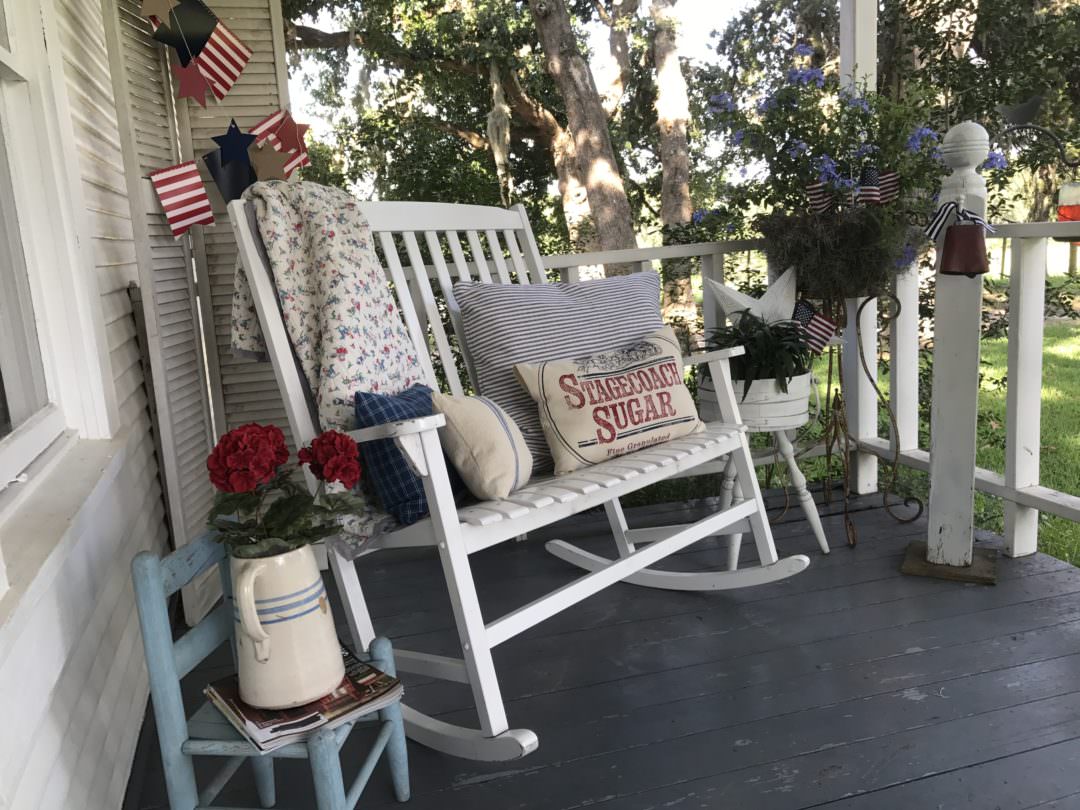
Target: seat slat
497, 255
548, 488
478, 516
533, 499
508, 509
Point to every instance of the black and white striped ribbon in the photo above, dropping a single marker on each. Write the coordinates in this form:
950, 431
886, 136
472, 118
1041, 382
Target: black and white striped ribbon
947, 210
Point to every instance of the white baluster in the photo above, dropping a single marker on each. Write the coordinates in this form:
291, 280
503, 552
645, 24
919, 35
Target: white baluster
1023, 404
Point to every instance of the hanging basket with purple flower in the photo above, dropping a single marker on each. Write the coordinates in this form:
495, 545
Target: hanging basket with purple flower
843, 175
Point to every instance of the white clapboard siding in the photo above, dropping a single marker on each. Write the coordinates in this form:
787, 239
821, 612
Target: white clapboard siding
248, 390
150, 140
77, 664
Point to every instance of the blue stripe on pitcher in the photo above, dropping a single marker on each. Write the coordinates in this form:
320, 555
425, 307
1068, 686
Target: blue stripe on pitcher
267, 611
303, 590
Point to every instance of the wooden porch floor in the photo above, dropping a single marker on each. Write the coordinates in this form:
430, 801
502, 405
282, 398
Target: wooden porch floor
848, 686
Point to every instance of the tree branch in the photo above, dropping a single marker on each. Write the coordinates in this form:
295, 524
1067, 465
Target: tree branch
306, 38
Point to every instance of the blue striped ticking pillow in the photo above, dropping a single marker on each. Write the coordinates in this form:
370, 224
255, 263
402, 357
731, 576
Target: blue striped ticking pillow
386, 470
507, 324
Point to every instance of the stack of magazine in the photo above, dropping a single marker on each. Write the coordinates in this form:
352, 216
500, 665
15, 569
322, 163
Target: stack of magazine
363, 690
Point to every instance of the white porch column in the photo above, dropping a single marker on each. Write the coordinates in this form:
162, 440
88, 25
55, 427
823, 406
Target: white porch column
954, 410
858, 66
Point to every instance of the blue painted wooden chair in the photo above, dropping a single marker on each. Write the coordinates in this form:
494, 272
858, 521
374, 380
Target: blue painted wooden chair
207, 732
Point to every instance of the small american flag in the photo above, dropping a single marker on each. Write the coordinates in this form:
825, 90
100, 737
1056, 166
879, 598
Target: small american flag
818, 329
819, 197
889, 185
268, 129
869, 190
222, 60
183, 196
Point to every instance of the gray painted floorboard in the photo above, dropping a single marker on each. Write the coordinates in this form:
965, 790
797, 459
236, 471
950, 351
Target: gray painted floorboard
848, 686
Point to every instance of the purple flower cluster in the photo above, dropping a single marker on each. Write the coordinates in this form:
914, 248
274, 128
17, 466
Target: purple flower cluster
766, 104
738, 136
854, 100
826, 168
864, 150
698, 216
803, 49
919, 137
906, 257
995, 160
806, 76
721, 102
797, 148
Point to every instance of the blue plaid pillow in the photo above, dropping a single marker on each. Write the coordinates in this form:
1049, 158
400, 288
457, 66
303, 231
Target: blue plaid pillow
399, 489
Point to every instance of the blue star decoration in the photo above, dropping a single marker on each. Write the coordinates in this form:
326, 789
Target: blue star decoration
234, 144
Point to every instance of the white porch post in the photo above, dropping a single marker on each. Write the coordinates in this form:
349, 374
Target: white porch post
858, 66
955, 406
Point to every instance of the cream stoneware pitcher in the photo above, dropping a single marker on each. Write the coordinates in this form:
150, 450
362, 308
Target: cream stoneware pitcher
286, 645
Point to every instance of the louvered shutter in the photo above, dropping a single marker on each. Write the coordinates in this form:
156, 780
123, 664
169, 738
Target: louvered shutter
248, 390
150, 140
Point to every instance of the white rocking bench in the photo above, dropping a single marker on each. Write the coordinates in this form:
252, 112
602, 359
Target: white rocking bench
511, 256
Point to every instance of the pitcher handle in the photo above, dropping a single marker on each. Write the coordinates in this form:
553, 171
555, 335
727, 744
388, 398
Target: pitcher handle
249, 616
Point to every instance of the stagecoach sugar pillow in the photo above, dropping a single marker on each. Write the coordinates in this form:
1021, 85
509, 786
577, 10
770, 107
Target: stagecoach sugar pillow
507, 324
609, 403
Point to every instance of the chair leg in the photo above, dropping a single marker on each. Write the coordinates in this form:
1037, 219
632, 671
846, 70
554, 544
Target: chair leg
382, 657
352, 599
617, 520
264, 780
734, 540
798, 481
748, 483
326, 771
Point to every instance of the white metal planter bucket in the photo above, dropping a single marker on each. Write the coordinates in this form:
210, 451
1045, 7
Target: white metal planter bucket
286, 645
766, 407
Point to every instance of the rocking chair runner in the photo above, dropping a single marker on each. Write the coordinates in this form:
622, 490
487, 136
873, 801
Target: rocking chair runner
459, 533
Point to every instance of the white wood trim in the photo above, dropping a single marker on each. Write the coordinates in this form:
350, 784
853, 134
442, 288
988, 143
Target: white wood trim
1032, 230
627, 255
1023, 408
904, 360
56, 238
20, 447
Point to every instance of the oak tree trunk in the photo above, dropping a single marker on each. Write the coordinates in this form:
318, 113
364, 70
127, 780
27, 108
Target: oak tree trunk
587, 124
672, 119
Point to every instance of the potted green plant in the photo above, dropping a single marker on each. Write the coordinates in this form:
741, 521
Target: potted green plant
771, 379
287, 648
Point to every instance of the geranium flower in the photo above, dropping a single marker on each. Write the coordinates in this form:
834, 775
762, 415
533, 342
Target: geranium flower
247, 456
333, 457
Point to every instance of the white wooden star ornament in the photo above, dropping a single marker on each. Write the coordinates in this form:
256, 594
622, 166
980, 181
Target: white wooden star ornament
776, 304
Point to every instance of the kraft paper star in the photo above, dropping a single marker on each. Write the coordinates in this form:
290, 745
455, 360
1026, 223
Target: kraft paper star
776, 304
234, 144
291, 134
162, 9
268, 162
191, 83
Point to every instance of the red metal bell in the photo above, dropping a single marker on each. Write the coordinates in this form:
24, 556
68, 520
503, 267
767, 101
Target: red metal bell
964, 251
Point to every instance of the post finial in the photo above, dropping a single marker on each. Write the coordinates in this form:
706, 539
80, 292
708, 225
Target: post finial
966, 146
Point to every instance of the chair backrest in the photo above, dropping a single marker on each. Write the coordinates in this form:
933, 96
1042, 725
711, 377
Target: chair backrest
418, 243
167, 661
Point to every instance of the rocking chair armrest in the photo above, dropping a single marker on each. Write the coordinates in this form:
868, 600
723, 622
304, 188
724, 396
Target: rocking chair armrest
392, 430
711, 357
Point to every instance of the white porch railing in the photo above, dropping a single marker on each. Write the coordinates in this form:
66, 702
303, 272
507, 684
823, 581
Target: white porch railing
1020, 486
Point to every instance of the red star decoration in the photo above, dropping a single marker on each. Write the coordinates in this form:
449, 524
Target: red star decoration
192, 84
291, 134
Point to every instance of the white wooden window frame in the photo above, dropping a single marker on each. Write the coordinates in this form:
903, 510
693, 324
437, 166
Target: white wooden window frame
51, 229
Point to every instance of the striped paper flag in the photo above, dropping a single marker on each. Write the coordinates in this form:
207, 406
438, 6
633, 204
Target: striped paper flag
818, 329
820, 198
869, 191
222, 60
269, 127
183, 196
889, 186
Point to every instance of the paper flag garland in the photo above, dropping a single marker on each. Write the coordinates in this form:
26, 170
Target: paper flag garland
234, 144
776, 304
222, 60
187, 30
269, 163
158, 8
230, 178
190, 83
183, 196
275, 128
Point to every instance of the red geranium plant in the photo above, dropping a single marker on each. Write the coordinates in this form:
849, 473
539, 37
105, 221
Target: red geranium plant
261, 508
